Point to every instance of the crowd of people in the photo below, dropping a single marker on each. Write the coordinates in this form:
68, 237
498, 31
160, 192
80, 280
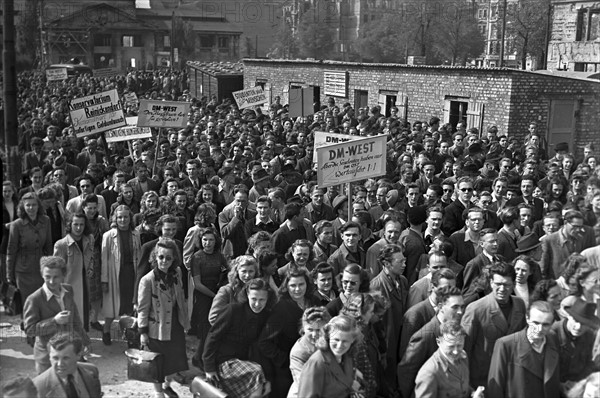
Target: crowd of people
469, 269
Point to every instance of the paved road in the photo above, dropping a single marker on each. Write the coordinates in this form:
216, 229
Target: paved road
16, 360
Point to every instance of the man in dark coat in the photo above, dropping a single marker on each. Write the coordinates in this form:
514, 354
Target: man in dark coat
528, 184
394, 288
412, 241
490, 318
526, 363
453, 216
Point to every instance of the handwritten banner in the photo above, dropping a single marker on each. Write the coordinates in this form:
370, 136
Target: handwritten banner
131, 99
323, 138
250, 97
56, 74
163, 113
350, 161
129, 132
96, 113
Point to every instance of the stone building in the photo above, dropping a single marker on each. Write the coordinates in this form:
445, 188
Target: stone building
575, 37
565, 108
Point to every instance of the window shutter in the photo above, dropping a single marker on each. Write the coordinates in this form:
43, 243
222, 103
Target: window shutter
402, 105
475, 116
447, 111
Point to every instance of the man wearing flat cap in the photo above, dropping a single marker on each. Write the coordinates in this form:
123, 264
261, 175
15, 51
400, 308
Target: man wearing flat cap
576, 338
557, 246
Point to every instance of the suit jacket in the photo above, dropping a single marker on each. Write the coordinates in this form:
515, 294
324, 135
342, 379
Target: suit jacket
393, 317
342, 257
439, 378
555, 253
49, 385
326, 213
83, 159
414, 319
421, 346
514, 370
38, 316
453, 220
233, 232
138, 192
484, 323
419, 291
538, 207
424, 184
473, 269
30, 160
506, 245
414, 247
463, 251
575, 353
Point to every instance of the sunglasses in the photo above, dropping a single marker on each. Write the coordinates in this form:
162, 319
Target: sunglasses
466, 189
161, 257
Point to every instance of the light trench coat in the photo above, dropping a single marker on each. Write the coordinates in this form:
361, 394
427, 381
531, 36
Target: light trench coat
68, 249
111, 264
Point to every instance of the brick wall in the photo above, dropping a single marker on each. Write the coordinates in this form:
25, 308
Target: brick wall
511, 98
563, 49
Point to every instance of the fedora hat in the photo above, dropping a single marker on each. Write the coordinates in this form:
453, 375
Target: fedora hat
527, 242
338, 201
583, 312
260, 175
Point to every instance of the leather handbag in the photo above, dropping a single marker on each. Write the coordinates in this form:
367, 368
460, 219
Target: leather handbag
146, 366
129, 331
201, 388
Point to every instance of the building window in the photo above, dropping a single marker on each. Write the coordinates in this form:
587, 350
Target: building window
101, 40
482, 13
588, 24
223, 42
207, 41
132, 41
167, 41
481, 28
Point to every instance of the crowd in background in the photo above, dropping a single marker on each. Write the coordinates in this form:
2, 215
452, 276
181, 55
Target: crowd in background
470, 267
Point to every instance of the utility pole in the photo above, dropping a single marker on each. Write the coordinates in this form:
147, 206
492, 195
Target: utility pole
11, 140
172, 38
504, 6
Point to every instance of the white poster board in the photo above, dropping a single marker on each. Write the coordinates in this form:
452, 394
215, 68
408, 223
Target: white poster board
351, 160
96, 113
323, 138
163, 113
57, 74
250, 97
129, 132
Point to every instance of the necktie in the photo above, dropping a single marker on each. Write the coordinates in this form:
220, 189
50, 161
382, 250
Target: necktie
71, 390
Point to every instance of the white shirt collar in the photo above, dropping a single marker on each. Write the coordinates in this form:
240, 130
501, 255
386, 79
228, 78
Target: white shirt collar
49, 294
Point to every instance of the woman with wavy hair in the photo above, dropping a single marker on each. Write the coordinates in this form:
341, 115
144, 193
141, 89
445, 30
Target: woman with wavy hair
125, 197
299, 255
120, 254
29, 239
281, 331
242, 269
162, 312
329, 372
150, 200
207, 267
354, 279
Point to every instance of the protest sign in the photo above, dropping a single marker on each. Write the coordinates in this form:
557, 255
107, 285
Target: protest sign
350, 161
106, 72
163, 113
56, 74
323, 138
129, 132
96, 113
250, 97
131, 99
